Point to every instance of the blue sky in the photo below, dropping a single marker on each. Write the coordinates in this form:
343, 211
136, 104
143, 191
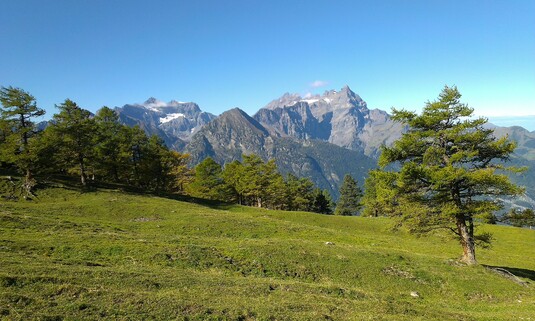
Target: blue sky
224, 54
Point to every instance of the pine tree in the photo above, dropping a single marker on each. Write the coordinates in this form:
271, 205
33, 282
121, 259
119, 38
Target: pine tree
252, 182
350, 194
449, 164
181, 175
18, 110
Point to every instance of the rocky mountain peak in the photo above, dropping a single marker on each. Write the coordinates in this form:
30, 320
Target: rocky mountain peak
151, 100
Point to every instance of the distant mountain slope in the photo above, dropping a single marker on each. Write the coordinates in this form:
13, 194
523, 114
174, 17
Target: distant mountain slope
174, 121
524, 156
235, 133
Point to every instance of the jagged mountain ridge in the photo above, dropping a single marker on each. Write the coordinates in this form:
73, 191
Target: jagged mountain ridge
175, 122
338, 117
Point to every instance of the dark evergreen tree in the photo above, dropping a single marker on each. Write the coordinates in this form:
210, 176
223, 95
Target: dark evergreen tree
253, 182
323, 202
449, 164
350, 194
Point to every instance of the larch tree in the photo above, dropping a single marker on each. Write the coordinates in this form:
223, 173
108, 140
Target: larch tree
208, 182
111, 144
16, 114
451, 168
73, 130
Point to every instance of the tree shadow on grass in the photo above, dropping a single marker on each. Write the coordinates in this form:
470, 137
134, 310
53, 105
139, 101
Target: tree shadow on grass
73, 183
518, 272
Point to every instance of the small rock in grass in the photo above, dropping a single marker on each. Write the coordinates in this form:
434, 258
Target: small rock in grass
329, 243
415, 294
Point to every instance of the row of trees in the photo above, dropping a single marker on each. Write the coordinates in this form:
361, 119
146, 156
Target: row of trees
257, 183
94, 147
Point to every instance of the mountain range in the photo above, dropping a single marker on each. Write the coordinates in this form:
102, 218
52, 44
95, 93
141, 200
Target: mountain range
322, 137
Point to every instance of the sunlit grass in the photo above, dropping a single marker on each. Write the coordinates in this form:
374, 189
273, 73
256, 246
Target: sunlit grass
110, 255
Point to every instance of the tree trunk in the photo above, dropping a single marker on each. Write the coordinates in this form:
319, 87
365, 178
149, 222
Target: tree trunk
28, 184
466, 234
83, 177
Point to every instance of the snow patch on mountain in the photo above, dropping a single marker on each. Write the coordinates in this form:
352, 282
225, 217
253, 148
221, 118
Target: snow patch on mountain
170, 117
310, 101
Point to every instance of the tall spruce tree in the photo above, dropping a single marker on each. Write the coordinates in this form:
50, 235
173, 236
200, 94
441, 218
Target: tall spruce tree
16, 114
350, 194
323, 202
449, 164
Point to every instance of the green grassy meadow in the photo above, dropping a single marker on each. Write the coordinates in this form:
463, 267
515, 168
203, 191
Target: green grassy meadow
111, 255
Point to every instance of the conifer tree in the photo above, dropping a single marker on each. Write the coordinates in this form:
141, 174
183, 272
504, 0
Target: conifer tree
380, 197
111, 146
322, 203
300, 193
232, 175
350, 194
17, 129
73, 130
449, 165
208, 182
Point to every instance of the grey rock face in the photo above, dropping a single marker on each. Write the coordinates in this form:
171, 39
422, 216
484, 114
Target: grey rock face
175, 122
339, 117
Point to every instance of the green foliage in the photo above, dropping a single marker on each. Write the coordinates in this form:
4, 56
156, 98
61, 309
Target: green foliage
380, 198
520, 218
323, 202
350, 195
208, 182
449, 163
111, 146
300, 193
72, 131
258, 183
16, 132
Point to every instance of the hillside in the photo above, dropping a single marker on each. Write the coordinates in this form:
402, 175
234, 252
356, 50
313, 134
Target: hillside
110, 255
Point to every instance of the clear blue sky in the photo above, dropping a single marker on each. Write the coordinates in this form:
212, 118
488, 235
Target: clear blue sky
224, 54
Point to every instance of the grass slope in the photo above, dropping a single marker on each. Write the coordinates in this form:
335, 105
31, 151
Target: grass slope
111, 255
